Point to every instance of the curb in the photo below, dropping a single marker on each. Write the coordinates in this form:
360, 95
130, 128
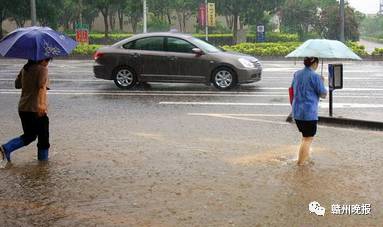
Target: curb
346, 122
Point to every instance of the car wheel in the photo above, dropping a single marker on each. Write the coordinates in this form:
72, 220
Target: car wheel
124, 78
224, 78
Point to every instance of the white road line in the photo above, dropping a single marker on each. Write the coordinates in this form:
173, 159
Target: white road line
179, 94
322, 105
238, 115
234, 117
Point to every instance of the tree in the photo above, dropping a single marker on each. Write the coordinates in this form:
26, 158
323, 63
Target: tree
245, 12
49, 12
104, 6
3, 15
185, 10
16, 12
299, 16
329, 22
134, 13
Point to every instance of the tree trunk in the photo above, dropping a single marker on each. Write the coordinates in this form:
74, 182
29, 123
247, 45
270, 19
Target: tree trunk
229, 22
169, 17
184, 17
179, 17
121, 19
105, 13
235, 28
112, 20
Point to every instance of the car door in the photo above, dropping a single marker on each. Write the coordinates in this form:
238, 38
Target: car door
153, 60
184, 64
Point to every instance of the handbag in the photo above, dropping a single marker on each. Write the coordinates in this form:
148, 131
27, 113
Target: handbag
291, 95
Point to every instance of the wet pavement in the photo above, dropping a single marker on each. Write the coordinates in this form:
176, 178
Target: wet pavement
188, 155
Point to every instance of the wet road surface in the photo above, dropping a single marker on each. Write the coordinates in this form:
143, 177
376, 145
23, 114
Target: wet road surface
187, 155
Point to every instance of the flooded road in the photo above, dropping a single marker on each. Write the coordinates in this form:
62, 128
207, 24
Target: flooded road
128, 160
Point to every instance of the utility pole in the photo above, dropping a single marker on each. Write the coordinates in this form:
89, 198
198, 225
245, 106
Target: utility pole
33, 12
80, 3
206, 21
145, 19
342, 39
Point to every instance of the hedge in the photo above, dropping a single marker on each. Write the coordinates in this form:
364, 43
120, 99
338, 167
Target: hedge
217, 39
264, 49
256, 49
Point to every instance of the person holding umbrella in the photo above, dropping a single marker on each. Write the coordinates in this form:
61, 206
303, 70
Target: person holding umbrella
308, 87
39, 45
33, 109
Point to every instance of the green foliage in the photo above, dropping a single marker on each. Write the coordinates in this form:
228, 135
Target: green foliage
264, 49
357, 48
373, 27
377, 52
85, 49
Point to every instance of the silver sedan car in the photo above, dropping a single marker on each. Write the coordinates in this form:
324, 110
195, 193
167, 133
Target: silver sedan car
174, 58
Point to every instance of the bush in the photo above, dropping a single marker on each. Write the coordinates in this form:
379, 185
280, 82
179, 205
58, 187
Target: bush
377, 52
84, 49
264, 49
357, 48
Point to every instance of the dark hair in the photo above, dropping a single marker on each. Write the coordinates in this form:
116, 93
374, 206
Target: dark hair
309, 61
29, 64
32, 62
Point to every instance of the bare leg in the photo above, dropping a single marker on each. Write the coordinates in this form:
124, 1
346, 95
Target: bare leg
304, 150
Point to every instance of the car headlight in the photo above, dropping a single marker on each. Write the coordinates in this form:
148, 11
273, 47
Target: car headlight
246, 63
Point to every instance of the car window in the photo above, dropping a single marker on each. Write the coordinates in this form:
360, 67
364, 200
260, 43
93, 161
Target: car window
129, 45
150, 43
179, 45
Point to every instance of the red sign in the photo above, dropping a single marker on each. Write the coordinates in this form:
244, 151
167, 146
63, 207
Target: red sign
82, 36
202, 15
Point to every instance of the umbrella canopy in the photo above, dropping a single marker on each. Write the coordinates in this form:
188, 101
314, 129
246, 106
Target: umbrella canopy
36, 43
323, 48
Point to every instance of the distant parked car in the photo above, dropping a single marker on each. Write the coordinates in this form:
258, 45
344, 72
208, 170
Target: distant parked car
173, 57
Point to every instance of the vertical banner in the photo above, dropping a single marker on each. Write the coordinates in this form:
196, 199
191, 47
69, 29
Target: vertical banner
82, 33
211, 14
202, 15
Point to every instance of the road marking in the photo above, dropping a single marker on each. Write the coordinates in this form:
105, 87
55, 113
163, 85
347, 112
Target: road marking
243, 117
228, 116
181, 94
322, 105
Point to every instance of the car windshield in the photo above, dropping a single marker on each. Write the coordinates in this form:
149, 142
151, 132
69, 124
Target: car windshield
205, 46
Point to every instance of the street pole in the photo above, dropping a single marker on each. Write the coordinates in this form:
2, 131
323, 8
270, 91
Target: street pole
145, 19
206, 21
80, 12
342, 39
33, 12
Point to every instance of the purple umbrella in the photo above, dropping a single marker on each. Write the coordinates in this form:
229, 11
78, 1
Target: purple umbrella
36, 43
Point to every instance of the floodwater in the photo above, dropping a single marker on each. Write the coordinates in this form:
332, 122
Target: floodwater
163, 178
126, 160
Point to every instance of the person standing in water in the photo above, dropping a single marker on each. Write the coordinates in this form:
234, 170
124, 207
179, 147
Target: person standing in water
33, 106
308, 87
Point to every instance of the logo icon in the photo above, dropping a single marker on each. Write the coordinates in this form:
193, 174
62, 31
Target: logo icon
314, 207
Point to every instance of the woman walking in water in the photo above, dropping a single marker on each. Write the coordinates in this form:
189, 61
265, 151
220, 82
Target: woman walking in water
33, 80
308, 87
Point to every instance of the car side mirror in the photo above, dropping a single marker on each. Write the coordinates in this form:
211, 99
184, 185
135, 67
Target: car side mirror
197, 51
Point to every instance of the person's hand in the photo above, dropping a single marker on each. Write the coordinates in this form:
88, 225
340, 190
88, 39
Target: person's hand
41, 112
322, 78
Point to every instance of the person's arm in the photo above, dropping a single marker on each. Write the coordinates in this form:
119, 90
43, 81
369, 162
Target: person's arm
18, 84
321, 89
42, 85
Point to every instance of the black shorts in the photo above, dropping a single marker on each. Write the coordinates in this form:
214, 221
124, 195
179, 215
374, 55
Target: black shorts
307, 128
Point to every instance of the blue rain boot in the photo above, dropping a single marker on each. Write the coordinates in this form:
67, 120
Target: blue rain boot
42, 154
11, 146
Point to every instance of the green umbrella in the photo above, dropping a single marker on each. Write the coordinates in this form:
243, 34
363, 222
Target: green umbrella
324, 49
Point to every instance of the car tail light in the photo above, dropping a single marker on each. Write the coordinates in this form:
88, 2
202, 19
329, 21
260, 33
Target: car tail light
98, 55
